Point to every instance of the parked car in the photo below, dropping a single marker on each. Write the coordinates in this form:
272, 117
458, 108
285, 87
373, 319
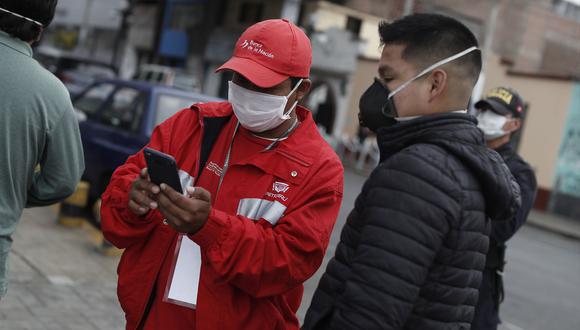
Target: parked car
168, 76
116, 119
75, 71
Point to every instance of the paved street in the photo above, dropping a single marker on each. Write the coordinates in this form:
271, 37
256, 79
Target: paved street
58, 281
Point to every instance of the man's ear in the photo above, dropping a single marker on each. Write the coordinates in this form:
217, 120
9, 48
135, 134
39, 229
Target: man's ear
514, 124
303, 89
438, 82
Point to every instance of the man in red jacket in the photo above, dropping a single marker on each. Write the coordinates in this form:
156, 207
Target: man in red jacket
262, 193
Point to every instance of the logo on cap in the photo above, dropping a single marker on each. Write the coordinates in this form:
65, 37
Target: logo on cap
255, 47
501, 94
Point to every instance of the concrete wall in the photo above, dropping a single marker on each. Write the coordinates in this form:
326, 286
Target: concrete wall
102, 14
325, 15
549, 101
325, 19
369, 33
272, 9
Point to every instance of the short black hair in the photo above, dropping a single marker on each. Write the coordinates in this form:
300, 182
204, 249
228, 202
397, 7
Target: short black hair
429, 38
38, 10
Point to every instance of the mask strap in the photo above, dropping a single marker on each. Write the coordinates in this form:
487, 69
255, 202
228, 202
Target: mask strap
296, 102
20, 16
295, 87
432, 67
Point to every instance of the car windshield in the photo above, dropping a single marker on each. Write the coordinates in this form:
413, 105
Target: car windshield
168, 105
185, 81
94, 70
92, 100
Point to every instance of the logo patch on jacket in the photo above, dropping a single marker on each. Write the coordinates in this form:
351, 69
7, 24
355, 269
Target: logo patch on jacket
280, 187
213, 167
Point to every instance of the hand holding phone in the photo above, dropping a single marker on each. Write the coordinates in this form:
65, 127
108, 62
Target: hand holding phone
162, 168
140, 196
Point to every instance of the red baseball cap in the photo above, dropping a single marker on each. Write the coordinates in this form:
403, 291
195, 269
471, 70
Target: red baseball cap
271, 51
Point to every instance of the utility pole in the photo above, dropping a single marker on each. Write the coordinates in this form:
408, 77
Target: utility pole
486, 50
291, 10
408, 9
85, 25
121, 35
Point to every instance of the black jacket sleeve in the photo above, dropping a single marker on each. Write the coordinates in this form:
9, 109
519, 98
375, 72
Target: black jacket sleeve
409, 208
525, 177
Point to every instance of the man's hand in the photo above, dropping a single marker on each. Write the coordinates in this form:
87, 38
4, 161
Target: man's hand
186, 214
141, 194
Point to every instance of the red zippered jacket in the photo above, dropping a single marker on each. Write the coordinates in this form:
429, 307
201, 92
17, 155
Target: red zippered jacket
252, 271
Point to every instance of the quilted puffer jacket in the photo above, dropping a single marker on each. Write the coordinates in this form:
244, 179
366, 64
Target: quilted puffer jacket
413, 249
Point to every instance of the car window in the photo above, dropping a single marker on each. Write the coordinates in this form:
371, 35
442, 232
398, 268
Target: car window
124, 110
92, 100
95, 70
168, 105
184, 81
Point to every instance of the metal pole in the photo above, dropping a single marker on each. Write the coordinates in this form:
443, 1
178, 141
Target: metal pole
408, 9
85, 25
486, 50
291, 10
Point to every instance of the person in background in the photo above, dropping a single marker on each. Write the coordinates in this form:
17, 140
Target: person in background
41, 156
500, 116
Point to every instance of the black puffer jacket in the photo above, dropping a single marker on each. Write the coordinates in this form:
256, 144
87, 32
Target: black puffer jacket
412, 250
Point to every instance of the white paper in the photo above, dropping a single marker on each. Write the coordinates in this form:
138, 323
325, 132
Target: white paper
185, 280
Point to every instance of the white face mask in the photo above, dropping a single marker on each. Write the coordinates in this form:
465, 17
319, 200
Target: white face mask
491, 124
259, 112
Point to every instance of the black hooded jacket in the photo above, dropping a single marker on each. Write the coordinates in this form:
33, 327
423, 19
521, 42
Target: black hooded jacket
413, 248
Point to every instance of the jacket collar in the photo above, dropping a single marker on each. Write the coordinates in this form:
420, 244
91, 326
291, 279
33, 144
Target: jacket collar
505, 149
455, 127
15, 43
299, 150
302, 146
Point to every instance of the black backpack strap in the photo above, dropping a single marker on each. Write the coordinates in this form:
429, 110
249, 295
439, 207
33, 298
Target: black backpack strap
212, 128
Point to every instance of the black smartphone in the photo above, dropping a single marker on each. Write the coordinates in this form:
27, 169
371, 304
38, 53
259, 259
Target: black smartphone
162, 168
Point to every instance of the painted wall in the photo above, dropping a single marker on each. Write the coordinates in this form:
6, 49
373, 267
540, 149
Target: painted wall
568, 170
565, 199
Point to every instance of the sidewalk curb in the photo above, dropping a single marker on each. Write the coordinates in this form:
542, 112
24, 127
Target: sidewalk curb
569, 231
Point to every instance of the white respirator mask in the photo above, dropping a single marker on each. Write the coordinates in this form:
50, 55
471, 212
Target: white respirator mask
259, 112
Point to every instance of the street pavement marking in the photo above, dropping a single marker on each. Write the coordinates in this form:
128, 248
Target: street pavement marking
512, 326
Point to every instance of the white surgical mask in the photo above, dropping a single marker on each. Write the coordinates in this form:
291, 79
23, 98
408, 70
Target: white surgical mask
259, 112
491, 124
